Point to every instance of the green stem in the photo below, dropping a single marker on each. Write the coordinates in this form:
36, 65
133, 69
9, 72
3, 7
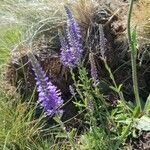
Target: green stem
133, 57
67, 134
123, 136
113, 80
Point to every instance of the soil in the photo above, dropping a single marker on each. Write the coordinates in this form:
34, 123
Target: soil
140, 143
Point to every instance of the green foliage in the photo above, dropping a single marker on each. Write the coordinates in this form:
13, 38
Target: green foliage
9, 37
95, 139
147, 106
143, 123
17, 125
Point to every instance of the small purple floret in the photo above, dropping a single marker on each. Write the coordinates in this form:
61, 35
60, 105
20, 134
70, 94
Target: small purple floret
70, 57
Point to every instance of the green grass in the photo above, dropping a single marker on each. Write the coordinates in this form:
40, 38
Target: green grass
17, 126
9, 36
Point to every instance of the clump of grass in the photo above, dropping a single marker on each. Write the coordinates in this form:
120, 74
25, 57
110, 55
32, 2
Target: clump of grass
34, 20
84, 11
18, 128
9, 36
141, 18
95, 138
27, 13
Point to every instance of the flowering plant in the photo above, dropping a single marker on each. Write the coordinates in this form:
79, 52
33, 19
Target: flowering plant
49, 96
71, 48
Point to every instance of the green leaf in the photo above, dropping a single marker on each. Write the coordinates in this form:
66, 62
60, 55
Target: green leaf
72, 133
114, 89
136, 112
147, 105
78, 104
143, 123
119, 87
61, 135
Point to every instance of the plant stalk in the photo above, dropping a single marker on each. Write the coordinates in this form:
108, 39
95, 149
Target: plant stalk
133, 57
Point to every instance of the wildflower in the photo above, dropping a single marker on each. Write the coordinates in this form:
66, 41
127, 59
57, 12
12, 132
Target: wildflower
72, 90
94, 73
49, 96
71, 48
102, 41
73, 31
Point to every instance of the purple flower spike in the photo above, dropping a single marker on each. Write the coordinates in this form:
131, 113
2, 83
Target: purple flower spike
71, 50
94, 73
49, 96
102, 42
73, 30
